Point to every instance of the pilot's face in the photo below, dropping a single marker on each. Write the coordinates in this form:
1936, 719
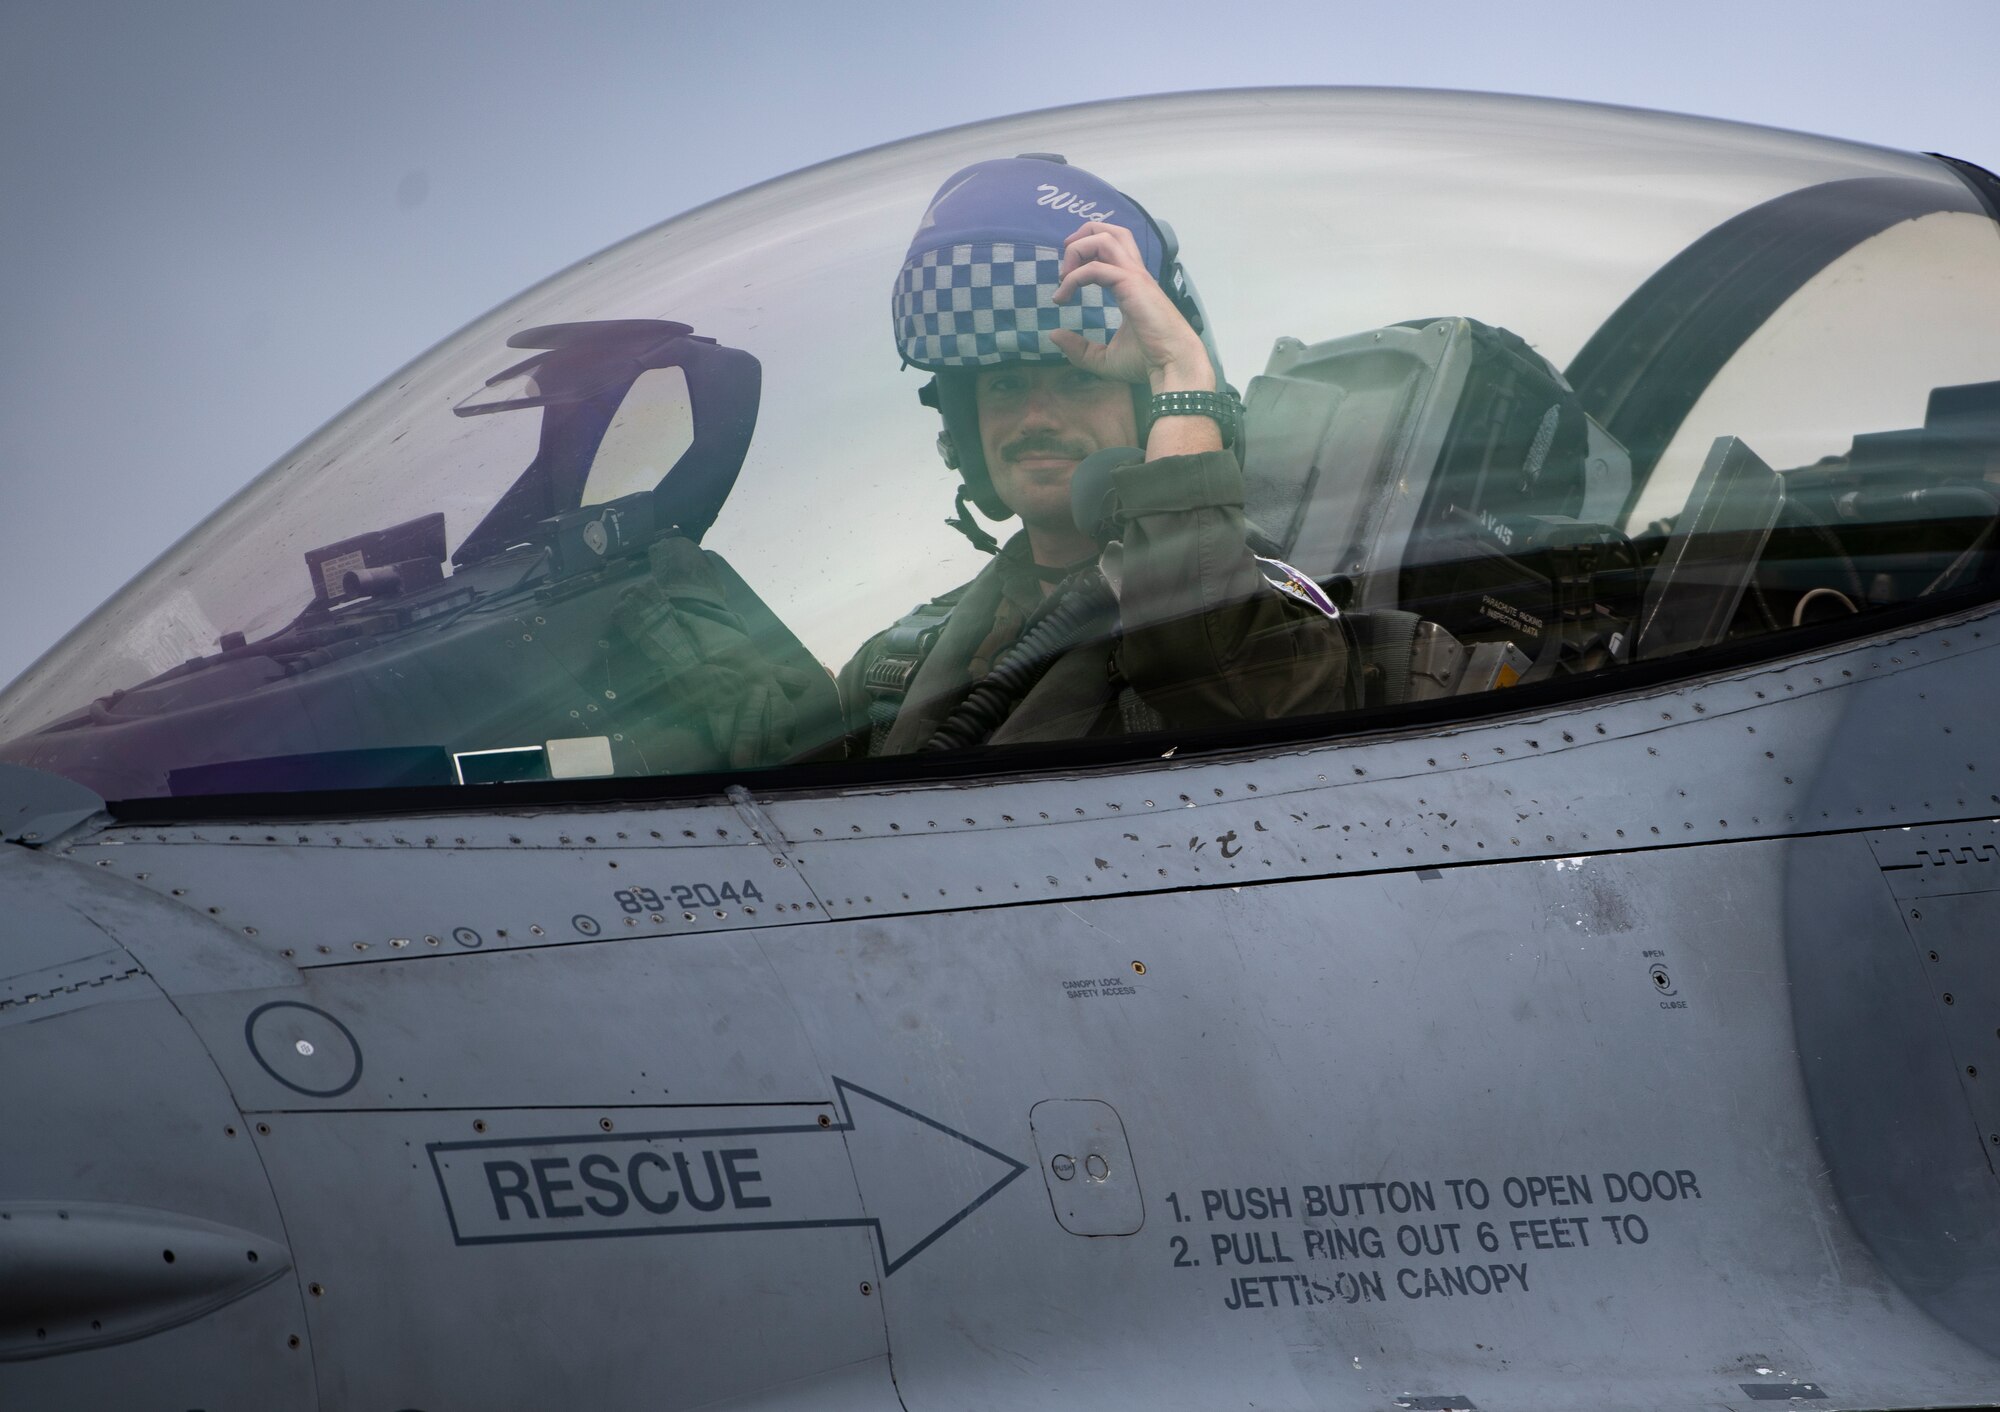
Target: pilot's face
1036, 421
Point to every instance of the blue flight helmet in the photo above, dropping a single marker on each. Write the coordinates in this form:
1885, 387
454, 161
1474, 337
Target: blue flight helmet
978, 288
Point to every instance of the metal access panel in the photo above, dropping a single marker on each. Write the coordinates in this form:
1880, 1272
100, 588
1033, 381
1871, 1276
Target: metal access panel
1957, 937
623, 1023
426, 888
1086, 1162
143, 1261
1400, 1137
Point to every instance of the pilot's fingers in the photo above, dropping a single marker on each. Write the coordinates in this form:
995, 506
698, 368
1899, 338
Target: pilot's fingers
1146, 314
1106, 254
1128, 283
1117, 236
1125, 358
1080, 351
1097, 241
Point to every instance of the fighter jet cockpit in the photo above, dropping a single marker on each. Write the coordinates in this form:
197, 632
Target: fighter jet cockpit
1503, 407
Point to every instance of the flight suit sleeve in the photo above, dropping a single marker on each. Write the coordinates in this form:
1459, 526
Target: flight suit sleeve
707, 689
1206, 639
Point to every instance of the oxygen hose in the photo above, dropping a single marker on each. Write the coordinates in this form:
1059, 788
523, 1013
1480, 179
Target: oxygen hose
1015, 671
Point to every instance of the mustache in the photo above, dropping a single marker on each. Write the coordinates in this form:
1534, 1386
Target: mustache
1042, 444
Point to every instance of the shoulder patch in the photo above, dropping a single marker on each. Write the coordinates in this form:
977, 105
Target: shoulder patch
1296, 583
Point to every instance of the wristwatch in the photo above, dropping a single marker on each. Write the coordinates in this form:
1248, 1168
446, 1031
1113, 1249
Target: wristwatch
1222, 408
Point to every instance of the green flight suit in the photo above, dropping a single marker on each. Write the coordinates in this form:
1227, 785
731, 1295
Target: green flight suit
1203, 638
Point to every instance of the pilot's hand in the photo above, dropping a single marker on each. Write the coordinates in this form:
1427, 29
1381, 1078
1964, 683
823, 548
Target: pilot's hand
1154, 344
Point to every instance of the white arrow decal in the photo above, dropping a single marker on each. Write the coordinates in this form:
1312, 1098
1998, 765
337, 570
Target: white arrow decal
919, 1178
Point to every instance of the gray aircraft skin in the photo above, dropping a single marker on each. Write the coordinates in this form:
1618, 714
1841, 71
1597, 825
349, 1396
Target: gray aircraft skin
1624, 1039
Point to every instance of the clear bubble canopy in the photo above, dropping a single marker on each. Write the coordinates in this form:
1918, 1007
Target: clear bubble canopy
1567, 387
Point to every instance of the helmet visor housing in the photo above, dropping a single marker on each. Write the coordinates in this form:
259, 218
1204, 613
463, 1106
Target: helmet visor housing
978, 284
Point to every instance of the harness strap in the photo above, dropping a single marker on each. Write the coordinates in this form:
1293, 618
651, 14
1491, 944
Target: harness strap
905, 645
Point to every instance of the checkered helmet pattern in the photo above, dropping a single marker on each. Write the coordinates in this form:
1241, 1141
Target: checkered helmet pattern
966, 306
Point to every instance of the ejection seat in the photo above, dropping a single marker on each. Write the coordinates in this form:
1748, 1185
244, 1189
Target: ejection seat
1442, 481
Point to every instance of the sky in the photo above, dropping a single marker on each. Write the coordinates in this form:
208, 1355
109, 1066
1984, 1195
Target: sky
225, 222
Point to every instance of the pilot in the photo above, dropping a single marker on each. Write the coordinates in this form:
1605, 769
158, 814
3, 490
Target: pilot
1056, 321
